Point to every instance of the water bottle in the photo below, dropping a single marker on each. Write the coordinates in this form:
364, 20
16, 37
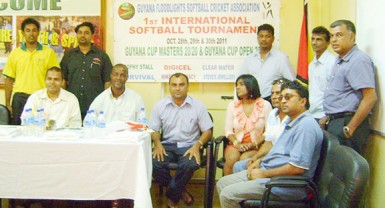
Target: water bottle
28, 122
101, 124
88, 123
142, 117
40, 122
101, 120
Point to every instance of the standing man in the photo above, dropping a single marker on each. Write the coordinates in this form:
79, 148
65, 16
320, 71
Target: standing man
118, 102
319, 70
186, 126
26, 68
350, 93
296, 152
61, 107
267, 64
86, 69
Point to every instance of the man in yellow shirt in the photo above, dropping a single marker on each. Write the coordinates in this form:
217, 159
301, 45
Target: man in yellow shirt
26, 68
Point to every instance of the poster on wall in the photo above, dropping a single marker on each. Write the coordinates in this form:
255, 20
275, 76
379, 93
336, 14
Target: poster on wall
206, 39
57, 18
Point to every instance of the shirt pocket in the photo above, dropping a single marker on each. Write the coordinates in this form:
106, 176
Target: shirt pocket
95, 69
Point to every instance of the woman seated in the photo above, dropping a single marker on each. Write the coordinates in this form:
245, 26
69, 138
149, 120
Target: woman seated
245, 122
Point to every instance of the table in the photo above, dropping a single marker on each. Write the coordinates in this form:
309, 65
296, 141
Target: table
77, 169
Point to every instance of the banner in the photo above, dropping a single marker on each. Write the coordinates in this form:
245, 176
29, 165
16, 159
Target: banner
206, 39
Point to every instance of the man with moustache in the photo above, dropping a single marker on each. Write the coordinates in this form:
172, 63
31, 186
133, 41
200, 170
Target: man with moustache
296, 152
26, 68
118, 102
350, 93
59, 105
186, 126
267, 64
86, 68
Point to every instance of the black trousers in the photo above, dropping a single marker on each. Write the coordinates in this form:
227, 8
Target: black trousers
18, 101
359, 137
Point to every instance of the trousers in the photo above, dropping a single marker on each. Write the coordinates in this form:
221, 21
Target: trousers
186, 168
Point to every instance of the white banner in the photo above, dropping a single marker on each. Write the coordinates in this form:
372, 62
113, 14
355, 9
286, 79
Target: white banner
205, 39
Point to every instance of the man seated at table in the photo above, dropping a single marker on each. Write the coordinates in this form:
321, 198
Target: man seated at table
118, 102
186, 126
296, 152
61, 108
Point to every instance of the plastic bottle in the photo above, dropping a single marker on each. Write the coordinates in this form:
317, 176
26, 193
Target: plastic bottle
28, 122
101, 120
39, 122
88, 124
141, 118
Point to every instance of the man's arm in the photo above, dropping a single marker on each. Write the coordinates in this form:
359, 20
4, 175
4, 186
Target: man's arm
287, 169
8, 92
194, 150
265, 148
158, 150
369, 98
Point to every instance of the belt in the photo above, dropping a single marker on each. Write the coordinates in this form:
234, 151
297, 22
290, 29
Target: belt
340, 115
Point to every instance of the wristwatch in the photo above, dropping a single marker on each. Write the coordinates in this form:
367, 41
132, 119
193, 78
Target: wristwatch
346, 131
235, 143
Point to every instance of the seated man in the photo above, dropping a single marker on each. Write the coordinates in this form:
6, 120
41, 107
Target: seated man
118, 102
61, 108
296, 153
275, 125
186, 126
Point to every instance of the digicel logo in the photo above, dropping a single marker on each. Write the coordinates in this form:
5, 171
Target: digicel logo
31, 5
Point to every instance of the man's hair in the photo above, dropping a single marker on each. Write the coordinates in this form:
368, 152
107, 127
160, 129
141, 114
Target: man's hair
281, 81
322, 30
29, 21
178, 75
86, 24
121, 66
266, 27
56, 69
302, 91
251, 84
349, 25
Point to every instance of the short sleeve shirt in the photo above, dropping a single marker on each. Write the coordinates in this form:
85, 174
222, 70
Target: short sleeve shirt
180, 125
86, 74
349, 75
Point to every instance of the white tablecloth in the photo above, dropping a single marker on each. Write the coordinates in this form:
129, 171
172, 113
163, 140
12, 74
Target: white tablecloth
79, 169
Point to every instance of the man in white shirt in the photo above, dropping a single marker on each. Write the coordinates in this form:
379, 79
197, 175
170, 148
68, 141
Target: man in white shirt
61, 108
118, 102
319, 70
267, 64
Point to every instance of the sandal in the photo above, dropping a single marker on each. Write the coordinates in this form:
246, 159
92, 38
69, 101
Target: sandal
185, 196
171, 204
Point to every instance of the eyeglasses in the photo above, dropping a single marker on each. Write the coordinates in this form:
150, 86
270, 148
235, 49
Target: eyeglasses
287, 97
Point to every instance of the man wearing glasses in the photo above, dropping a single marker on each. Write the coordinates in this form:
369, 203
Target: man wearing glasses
296, 152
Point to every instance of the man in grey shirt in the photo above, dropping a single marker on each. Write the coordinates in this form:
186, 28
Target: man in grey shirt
350, 94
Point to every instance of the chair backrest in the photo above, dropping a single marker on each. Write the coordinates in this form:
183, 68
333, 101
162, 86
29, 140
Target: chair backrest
5, 116
342, 176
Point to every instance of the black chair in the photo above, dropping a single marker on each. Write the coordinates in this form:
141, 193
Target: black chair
340, 180
220, 163
5, 115
206, 162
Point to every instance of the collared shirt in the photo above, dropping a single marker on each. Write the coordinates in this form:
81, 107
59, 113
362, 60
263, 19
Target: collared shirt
28, 69
275, 126
86, 74
349, 75
276, 65
64, 110
299, 145
180, 124
125, 108
319, 73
